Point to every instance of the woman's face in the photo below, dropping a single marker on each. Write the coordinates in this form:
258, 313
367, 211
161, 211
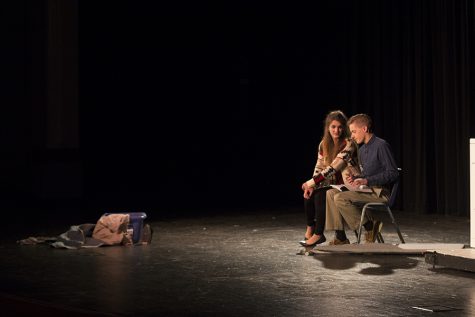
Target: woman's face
336, 129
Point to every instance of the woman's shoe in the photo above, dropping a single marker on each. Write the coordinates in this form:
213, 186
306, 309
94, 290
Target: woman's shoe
311, 231
319, 241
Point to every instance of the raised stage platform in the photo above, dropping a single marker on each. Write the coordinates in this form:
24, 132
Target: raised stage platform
450, 255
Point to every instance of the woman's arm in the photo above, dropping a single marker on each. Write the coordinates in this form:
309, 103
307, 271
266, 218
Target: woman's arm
320, 164
344, 158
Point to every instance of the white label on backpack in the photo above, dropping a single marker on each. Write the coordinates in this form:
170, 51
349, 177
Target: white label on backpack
130, 233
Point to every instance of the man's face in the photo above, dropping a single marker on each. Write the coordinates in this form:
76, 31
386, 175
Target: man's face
358, 133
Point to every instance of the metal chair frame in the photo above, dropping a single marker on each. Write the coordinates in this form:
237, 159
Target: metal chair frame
384, 207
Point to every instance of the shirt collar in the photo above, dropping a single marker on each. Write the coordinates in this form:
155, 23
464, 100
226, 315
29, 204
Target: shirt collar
371, 140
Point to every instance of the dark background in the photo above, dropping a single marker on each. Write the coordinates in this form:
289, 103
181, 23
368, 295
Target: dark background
192, 108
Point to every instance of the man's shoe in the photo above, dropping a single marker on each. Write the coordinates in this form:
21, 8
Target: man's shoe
335, 241
370, 236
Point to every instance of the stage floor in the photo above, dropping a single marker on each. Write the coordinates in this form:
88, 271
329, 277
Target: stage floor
235, 264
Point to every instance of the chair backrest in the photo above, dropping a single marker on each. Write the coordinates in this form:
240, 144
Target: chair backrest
394, 191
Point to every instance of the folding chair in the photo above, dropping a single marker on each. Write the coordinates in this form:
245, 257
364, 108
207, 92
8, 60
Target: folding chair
382, 206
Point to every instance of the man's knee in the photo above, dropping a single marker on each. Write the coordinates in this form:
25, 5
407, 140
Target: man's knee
331, 193
341, 199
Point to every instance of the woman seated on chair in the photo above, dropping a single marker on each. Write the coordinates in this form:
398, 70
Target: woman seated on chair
336, 152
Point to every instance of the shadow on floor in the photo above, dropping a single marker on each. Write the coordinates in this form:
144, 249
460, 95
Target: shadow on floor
378, 264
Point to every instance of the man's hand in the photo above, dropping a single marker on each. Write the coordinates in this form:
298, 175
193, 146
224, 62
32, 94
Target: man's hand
360, 181
350, 177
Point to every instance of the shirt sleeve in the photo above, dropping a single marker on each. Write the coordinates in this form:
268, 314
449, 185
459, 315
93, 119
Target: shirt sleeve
389, 172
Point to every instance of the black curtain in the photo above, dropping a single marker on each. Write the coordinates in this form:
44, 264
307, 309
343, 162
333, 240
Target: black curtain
247, 91
410, 65
231, 98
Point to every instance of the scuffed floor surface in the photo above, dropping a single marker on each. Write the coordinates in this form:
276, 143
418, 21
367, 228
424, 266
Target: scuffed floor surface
237, 265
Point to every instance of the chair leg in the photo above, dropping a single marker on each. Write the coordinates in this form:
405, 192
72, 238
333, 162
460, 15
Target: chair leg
369, 216
363, 212
395, 225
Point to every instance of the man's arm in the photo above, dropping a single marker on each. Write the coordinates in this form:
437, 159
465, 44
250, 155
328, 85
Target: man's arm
389, 171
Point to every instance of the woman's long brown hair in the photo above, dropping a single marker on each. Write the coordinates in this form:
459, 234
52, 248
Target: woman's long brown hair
330, 149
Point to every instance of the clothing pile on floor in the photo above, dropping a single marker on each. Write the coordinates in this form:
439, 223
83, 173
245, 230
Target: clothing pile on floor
110, 229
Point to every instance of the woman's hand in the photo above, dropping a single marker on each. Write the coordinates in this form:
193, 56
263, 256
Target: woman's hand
308, 192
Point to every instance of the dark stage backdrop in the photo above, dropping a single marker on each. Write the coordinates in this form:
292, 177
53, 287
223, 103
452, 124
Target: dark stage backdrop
206, 106
410, 64
200, 106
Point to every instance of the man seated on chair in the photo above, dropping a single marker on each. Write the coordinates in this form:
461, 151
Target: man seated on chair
379, 171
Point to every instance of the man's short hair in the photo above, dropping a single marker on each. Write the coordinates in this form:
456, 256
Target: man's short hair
362, 119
